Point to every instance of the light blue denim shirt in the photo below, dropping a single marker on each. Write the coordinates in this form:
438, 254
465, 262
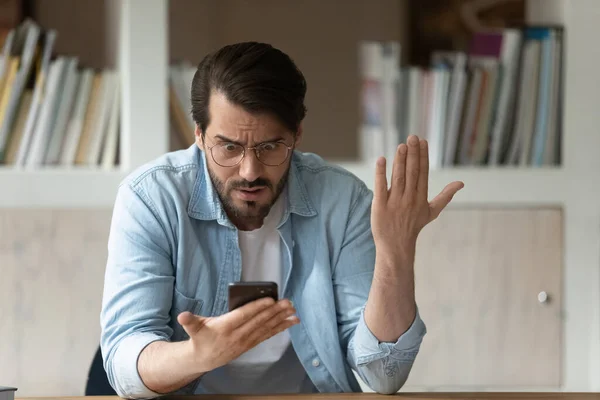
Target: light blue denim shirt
173, 249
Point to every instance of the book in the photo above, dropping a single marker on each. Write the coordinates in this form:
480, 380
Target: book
497, 102
7, 393
54, 109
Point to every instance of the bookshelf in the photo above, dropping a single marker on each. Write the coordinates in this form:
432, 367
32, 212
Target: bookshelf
143, 58
143, 61
144, 54
141, 50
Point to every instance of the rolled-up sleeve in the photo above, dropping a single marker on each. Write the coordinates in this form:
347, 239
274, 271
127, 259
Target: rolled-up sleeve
123, 375
383, 366
138, 290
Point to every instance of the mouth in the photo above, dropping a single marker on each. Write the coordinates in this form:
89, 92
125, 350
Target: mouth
251, 194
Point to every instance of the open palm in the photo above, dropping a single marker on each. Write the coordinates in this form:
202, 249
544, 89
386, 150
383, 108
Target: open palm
400, 212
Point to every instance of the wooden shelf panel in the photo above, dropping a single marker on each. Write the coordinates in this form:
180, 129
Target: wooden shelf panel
58, 188
90, 187
487, 186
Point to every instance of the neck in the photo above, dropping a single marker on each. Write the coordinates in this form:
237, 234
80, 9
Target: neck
247, 224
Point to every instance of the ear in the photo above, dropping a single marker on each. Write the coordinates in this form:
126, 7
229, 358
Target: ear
299, 135
199, 141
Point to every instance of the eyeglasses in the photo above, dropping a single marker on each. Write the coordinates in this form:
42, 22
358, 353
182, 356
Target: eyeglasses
229, 154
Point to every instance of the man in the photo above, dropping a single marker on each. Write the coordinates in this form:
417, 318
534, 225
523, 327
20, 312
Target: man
244, 204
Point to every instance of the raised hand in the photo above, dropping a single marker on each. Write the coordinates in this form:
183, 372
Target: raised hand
400, 212
217, 340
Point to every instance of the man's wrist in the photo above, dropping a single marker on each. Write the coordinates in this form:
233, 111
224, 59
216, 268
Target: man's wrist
401, 257
195, 362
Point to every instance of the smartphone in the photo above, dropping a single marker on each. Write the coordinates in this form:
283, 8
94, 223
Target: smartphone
241, 293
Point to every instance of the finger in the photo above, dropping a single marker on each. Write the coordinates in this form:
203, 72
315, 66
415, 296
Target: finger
262, 328
267, 317
262, 335
423, 185
412, 166
441, 200
245, 313
399, 170
380, 190
265, 329
191, 323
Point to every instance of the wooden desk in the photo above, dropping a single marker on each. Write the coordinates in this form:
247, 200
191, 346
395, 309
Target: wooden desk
364, 396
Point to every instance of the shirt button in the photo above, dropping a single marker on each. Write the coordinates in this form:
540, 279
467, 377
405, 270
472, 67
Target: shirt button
316, 362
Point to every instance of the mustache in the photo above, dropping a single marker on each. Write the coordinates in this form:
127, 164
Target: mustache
249, 185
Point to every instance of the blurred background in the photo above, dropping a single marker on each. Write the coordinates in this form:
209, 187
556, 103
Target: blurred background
506, 92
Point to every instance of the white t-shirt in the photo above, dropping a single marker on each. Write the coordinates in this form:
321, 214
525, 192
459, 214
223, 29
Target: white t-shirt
272, 366
261, 261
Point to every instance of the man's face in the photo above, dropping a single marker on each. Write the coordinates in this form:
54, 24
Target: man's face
249, 189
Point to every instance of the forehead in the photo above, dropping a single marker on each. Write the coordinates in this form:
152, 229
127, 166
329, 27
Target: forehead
233, 122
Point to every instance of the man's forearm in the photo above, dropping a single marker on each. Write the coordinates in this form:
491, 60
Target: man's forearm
391, 308
165, 367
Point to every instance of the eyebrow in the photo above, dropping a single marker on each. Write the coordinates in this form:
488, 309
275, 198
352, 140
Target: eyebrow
226, 139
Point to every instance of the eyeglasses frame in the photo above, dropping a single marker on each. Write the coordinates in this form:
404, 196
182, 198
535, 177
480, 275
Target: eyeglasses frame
288, 148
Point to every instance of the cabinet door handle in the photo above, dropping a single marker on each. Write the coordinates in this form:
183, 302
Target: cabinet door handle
543, 297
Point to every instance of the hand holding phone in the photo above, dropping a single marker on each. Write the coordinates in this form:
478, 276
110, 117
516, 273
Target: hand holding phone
215, 341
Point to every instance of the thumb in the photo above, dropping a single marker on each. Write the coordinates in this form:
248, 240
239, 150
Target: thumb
191, 323
443, 199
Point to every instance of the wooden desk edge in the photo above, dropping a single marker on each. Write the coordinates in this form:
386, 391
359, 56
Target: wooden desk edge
364, 396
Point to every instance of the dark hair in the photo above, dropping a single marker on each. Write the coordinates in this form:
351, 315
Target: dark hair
255, 76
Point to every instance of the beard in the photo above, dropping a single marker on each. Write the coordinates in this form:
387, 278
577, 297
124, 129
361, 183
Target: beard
247, 211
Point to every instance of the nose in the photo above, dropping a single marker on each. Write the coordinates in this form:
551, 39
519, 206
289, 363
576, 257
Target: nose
250, 168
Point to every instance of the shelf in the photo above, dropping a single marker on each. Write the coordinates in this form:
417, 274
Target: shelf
58, 187
82, 187
503, 186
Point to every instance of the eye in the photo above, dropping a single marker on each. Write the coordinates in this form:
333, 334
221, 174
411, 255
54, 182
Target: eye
269, 146
230, 147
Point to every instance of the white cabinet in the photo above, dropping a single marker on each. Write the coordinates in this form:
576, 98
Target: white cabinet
480, 275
